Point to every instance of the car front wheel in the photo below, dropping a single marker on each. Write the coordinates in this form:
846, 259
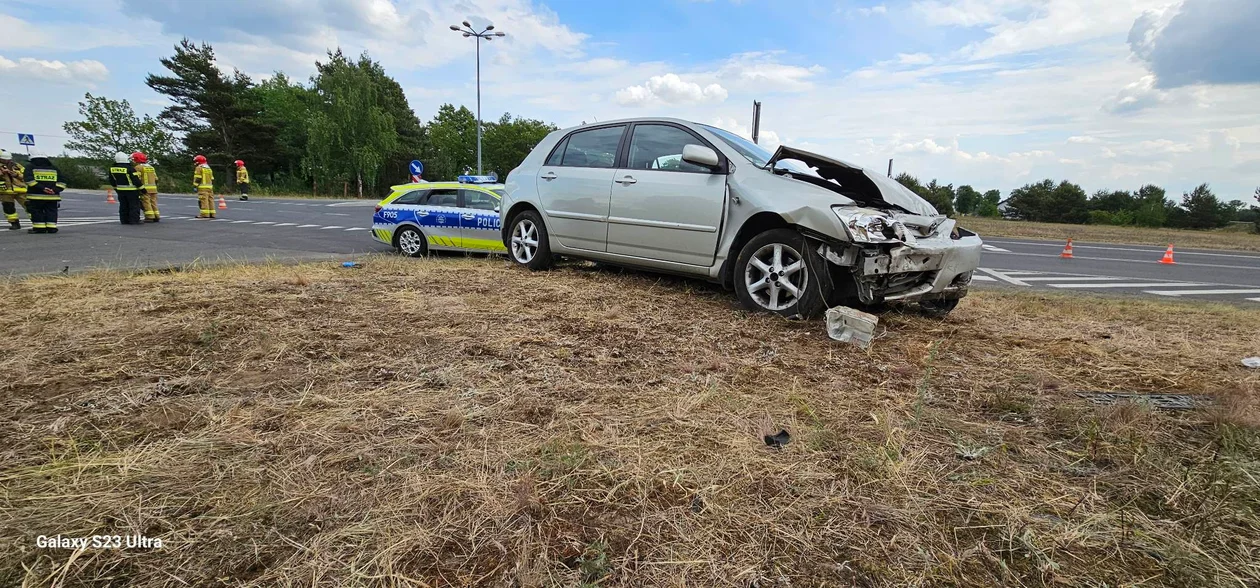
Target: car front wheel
411, 242
772, 274
528, 244
938, 308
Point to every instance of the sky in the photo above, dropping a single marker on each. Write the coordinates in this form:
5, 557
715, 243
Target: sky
1110, 94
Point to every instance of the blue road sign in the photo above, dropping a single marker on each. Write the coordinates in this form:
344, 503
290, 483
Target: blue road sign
417, 168
25, 139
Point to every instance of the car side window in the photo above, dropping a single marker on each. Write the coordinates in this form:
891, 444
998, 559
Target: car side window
660, 147
479, 200
593, 148
412, 197
558, 153
443, 197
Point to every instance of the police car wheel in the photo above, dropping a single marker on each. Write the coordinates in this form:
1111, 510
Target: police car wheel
528, 244
411, 242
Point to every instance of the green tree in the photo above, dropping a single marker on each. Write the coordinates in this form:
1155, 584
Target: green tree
910, 182
1047, 202
1256, 209
1203, 210
506, 143
941, 196
967, 200
286, 107
219, 115
1151, 208
350, 133
989, 204
452, 139
110, 126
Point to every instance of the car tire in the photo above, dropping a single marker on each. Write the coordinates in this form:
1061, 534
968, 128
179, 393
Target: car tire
938, 308
762, 284
528, 244
411, 242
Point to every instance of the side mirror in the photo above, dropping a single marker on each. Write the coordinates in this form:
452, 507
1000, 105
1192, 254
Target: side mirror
496, 208
700, 155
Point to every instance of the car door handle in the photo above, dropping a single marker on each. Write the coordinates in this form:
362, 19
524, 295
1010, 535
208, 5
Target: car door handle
626, 180
549, 176
467, 216
421, 213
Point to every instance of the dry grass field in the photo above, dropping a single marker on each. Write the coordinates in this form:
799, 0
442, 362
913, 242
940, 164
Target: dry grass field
455, 422
1223, 239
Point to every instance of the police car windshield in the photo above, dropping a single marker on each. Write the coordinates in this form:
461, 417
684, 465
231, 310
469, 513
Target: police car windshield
500, 191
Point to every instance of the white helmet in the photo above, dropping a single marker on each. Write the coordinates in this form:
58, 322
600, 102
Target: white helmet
121, 157
4, 155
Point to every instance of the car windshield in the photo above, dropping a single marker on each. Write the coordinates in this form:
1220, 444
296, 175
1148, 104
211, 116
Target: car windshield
751, 151
500, 191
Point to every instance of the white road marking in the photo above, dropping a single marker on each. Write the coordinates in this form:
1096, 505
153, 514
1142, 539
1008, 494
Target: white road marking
1065, 278
982, 279
239, 222
356, 229
331, 227
305, 226
1003, 277
1192, 264
338, 214
265, 223
286, 224
1254, 299
988, 247
1199, 292
1154, 249
1130, 285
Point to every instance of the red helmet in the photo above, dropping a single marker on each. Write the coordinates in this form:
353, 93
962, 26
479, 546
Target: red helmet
199, 159
240, 163
139, 157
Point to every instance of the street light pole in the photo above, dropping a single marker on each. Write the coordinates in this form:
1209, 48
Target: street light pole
468, 31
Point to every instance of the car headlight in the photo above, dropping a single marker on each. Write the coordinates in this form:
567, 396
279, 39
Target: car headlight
866, 227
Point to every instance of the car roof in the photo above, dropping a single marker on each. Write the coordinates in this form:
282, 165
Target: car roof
430, 185
633, 120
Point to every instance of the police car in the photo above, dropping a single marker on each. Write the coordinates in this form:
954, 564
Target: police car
452, 216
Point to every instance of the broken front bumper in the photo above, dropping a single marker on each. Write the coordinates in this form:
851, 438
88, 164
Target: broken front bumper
938, 267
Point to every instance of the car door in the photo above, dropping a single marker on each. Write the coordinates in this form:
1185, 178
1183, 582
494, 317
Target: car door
663, 208
479, 220
439, 215
575, 184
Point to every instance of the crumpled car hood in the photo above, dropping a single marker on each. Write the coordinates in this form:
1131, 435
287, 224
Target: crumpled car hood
851, 181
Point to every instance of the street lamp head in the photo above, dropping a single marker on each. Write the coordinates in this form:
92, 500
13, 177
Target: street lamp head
500, 34
454, 27
466, 23
490, 28
467, 34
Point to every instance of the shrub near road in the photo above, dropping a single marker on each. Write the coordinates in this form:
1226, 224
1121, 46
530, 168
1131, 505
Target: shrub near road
312, 425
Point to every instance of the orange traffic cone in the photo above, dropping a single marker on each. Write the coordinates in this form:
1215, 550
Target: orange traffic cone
1067, 250
109, 197
222, 203
1168, 256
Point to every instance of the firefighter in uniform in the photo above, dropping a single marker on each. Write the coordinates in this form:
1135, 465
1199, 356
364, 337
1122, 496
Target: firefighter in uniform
242, 179
128, 184
43, 193
148, 196
12, 189
203, 181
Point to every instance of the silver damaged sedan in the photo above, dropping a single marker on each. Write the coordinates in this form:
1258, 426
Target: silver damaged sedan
792, 232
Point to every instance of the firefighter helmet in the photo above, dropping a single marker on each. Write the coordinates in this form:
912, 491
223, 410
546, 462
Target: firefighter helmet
4, 155
120, 157
139, 157
239, 163
199, 159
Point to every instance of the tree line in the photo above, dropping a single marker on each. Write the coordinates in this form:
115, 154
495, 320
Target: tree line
1065, 202
348, 129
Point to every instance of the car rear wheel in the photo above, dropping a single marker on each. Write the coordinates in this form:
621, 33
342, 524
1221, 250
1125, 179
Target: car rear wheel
773, 275
528, 244
411, 242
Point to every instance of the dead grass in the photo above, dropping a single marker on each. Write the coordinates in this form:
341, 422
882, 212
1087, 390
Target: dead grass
1222, 239
457, 422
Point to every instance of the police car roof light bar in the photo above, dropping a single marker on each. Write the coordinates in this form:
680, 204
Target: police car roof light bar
490, 179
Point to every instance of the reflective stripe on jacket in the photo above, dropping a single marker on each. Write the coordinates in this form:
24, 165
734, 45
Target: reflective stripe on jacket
43, 183
11, 182
203, 178
124, 179
148, 176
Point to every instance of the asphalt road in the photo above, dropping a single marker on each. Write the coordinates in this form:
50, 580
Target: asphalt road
90, 235
298, 229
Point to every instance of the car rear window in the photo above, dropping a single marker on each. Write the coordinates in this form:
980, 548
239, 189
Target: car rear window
412, 197
593, 148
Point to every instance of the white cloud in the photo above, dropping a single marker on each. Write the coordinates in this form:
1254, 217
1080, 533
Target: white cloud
914, 58
872, 10
763, 72
85, 72
1136, 96
1083, 139
670, 89
24, 35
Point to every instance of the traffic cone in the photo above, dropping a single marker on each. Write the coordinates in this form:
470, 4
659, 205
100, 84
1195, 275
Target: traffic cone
222, 203
1168, 260
1067, 250
109, 197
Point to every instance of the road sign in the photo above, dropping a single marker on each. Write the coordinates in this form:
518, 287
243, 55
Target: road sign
417, 168
25, 139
